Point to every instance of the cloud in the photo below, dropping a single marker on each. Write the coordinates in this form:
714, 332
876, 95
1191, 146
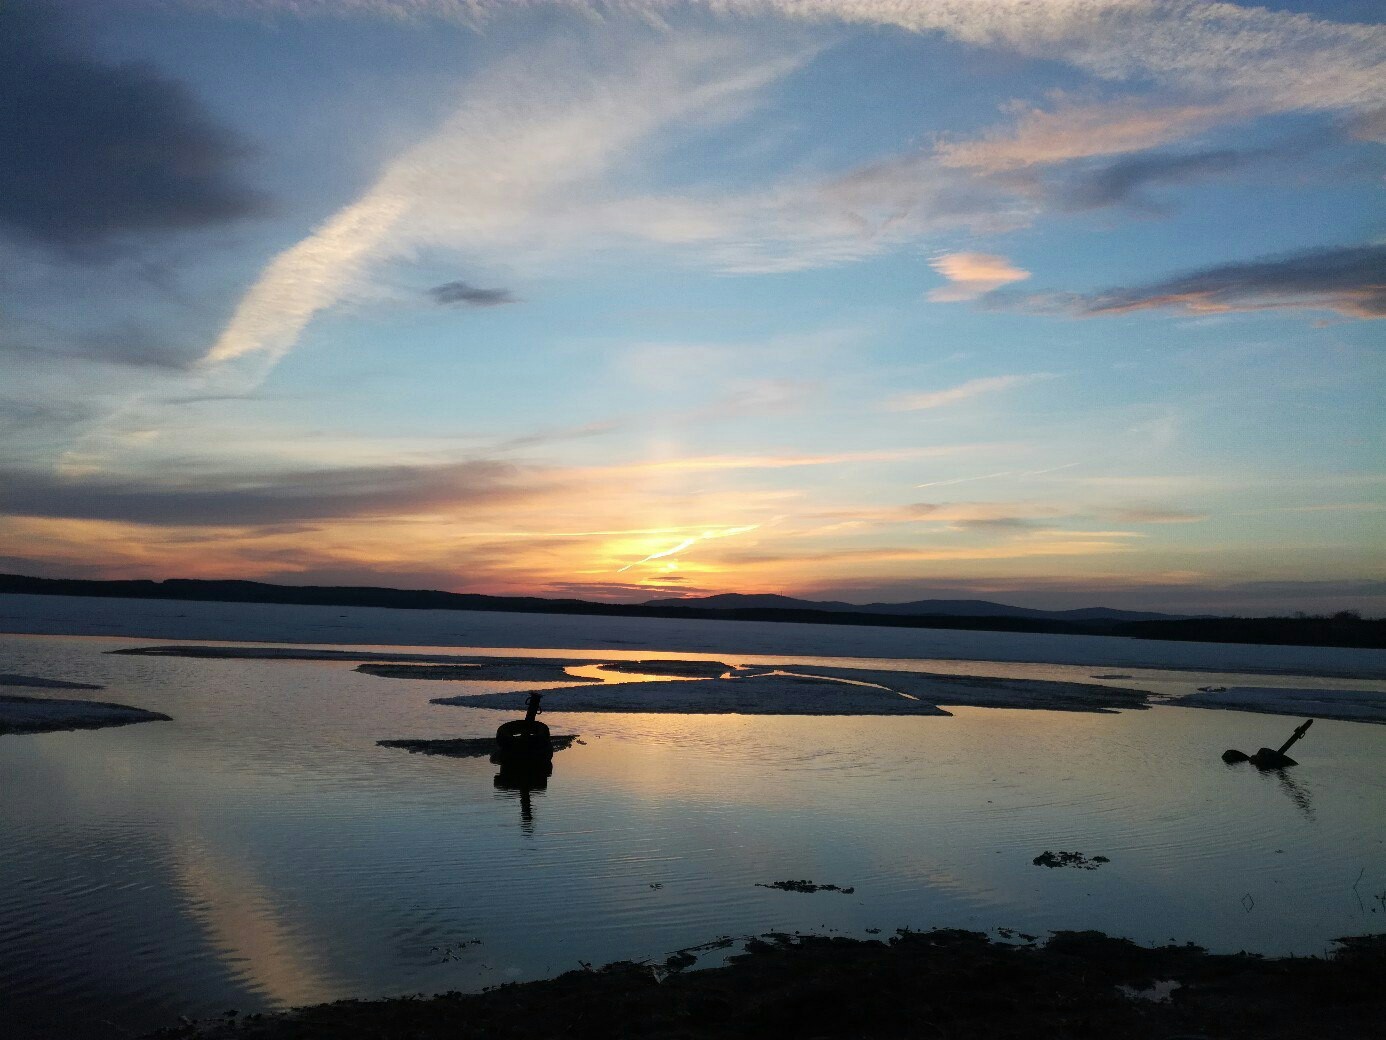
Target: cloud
521, 167
716, 463
1122, 181
802, 222
1369, 126
973, 274
462, 292
191, 494
690, 542
1097, 542
127, 343
232, 499
962, 392
19, 415
517, 155
94, 151
1003, 524
1078, 130
1348, 279
623, 592
952, 515
1279, 58
1157, 515
1003, 473
598, 428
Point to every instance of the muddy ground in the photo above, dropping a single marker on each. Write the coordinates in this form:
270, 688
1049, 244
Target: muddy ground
918, 985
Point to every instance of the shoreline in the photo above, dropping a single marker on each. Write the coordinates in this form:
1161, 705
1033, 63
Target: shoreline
1343, 630
229, 622
948, 983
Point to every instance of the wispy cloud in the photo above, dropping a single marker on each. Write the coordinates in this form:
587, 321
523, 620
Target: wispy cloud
963, 391
1073, 129
1279, 58
972, 274
520, 148
710, 463
1157, 515
1222, 62
599, 428
690, 542
1350, 280
957, 515
1089, 544
1001, 474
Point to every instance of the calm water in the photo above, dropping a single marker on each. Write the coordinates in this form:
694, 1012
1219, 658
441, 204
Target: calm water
261, 851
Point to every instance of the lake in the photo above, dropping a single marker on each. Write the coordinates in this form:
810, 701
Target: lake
261, 851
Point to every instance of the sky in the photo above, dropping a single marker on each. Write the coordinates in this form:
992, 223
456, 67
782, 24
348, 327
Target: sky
1055, 302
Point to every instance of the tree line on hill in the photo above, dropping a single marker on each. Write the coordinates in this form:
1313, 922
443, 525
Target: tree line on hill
1345, 628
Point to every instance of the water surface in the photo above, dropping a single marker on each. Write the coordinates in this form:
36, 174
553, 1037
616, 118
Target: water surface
260, 851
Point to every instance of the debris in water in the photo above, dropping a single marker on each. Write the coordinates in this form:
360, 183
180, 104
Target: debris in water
1270, 758
1068, 859
805, 886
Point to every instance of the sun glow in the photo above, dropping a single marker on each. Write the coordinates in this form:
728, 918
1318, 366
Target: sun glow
688, 543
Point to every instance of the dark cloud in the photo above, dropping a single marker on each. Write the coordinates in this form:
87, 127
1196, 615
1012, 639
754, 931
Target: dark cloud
91, 151
1123, 180
623, 592
124, 344
1369, 126
996, 523
462, 292
231, 500
1348, 279
19, 413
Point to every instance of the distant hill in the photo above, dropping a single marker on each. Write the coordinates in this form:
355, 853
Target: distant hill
1343, 629
917, 608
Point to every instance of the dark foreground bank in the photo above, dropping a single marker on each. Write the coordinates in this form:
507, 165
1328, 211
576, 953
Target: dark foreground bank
917, 984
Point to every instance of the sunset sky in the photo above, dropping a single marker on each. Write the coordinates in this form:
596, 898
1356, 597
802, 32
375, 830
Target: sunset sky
1058, 303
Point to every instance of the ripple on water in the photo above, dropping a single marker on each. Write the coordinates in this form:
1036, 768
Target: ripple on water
261, 850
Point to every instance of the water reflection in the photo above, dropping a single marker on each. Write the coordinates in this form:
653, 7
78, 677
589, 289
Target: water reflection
246, 924
1297, 793
523, 779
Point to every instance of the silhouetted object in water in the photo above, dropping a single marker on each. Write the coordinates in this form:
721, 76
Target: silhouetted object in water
524, 752
524, 742
1268, 758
